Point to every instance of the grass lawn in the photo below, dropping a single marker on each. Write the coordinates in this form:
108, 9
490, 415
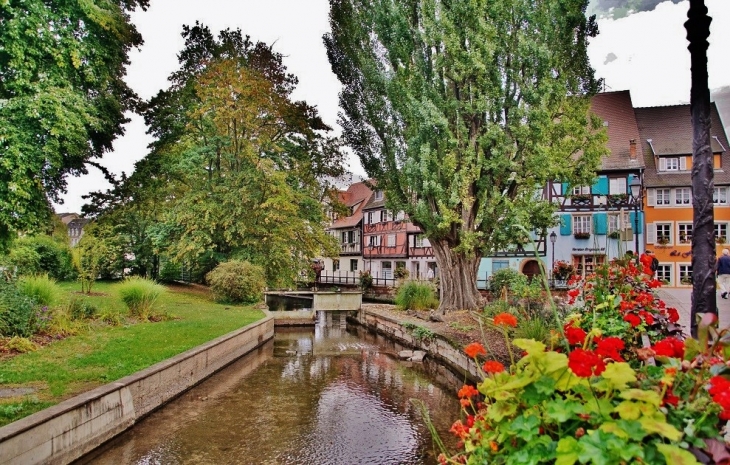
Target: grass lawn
100, 353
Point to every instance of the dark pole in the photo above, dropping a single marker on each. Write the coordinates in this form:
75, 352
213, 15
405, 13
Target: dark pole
704, 299
636, 225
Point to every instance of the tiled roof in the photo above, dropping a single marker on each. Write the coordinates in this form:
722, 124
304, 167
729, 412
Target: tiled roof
617, 112
670, 131
358, 195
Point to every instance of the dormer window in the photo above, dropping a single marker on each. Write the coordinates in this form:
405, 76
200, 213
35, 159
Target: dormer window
378, 195
672, 164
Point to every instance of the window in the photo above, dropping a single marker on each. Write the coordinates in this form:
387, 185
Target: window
499, 264
683, 196
387, 268
616, 186
663, 233
353, 264
421, 241
664, 273
335, 265
578, 190
581, 224
369, 218
721, 233
614, 223
391, 240
663, 196
373, 241
685, 233
348, 237
685, 274
719, 196
672, 164
586, 264
378, 195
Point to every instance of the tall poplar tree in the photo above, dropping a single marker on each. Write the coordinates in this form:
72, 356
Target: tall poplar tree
462, 111
62, 98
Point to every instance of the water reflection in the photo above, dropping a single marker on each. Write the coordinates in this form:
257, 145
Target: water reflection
328, 395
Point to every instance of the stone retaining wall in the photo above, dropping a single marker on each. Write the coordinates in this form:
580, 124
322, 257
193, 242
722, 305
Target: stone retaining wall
67, 431
439, 348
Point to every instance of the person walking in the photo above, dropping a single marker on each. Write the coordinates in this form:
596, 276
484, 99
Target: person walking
649, 262
723, 273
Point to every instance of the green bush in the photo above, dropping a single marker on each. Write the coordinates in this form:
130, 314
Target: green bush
414, 295
170, 272
42, 289
80, 309
237, 281
509, 278
42, 254
139, 295
17, 312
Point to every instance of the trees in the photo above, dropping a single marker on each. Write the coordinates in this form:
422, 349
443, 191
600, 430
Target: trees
62, 98
462, 111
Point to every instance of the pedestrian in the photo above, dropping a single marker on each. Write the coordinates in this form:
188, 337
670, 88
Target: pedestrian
723, 273
429, 274
649, 262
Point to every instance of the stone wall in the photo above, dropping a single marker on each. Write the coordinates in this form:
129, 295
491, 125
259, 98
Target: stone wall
67, 431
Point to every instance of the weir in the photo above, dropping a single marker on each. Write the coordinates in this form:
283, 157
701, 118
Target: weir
301, 307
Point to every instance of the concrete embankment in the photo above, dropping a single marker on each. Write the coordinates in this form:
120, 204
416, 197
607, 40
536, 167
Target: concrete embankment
67, 431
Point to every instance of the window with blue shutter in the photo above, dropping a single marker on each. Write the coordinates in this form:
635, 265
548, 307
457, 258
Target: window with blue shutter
600, 221
566, 225
564, 186
640, 226
600, 187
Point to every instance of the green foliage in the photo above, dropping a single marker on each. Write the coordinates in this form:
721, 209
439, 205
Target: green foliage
41, 254
537, 327
366, 280
97, 254
21, 344
139, 295
490, 101
63, 95
11, 412
79, 308
507, 278
17, 312
237, 281
170, 272
419, 332
415, 295
401, 272
41, 289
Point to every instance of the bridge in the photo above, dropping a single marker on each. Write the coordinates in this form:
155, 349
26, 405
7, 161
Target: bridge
301, 307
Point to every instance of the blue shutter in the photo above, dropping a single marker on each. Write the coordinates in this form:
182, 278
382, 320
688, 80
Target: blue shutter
640, 226
565, 189
566, 225
601, 186
600, 221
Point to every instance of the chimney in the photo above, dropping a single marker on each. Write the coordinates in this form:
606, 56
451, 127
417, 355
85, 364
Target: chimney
632, 149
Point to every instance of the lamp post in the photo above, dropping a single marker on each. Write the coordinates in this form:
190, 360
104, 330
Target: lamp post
553, 238
635, 186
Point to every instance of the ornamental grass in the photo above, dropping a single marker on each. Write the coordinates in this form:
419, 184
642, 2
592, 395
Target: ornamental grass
618, 384
139, 295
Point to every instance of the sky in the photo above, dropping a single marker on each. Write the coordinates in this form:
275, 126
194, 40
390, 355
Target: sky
645, 52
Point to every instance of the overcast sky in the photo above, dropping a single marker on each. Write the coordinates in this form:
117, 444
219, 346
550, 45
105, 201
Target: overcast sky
645, 52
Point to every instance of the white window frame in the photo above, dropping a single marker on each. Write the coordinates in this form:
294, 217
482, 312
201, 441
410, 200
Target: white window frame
684, 229
335, 265
614, 222
685, 271
663, 197
374, 241
616, 186
378, 195
581, 190
586, 264
671, 164
683, 196
582, 224
721, 230
666, 232
664, 272
719, 195
391, 240
353, 264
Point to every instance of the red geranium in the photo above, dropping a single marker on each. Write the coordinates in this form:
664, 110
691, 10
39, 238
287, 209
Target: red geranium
673, 314
505, 319
585, 363
493, 366
648, 317
633, 319
610, 347
575, 335
467, 391
720, 392
474, 349
669, 347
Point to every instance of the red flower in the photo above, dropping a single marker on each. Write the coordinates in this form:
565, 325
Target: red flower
575, 335
585, 363
610, 348
720, 392
673, 314
633, 319
505, 319
574, 292
467, 391
654, 283
493, 366
670, 398
718, 384
474, 349
459, 429
626, 305
669, 347
648, 317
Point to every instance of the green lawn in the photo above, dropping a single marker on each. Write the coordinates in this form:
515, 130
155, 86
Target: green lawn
102, 353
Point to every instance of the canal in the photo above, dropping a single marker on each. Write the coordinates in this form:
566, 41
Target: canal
332, 394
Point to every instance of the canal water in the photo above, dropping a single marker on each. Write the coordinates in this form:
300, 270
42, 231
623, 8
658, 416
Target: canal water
332, 394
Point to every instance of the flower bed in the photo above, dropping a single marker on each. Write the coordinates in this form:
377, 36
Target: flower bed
619, 385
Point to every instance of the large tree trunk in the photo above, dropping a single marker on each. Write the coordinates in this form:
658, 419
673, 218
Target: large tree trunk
704, 299
458, 279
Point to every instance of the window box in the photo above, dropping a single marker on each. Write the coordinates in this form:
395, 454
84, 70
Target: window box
720, 240
582, 235
580, 199
662, 240
617, 199
614, 235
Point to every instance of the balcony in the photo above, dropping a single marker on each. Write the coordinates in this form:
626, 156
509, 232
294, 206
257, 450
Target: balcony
352, 248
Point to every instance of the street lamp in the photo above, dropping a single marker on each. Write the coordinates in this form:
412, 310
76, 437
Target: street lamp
553, 238
635, 186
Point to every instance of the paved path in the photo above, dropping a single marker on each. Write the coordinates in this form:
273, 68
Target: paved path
681, 299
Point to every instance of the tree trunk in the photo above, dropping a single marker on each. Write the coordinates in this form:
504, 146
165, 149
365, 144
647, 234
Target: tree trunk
704, 298
457, 279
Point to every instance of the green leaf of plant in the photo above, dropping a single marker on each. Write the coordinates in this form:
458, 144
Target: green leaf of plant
662, 428
691, 349
650, 397
676, 455
619, 375
498, 411
567, 451
628, 410
530, 346
561, 410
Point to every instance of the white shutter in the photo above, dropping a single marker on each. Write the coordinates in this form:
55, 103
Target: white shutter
682, 163
662, 164
650, 233
650, 197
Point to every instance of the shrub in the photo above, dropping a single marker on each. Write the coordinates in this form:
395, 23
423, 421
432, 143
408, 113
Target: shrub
401, 272
507, 278
237, 281
17, 312
42, 289
79, 309
139, 294
414, 295
42, 254
21, 344
366, 280
170, 272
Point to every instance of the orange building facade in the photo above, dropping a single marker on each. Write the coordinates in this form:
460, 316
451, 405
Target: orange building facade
666, 135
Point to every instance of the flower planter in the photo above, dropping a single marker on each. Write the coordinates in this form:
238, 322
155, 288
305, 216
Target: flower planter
582, 235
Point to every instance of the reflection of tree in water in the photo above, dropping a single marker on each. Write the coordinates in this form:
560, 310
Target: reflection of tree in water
620, 8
